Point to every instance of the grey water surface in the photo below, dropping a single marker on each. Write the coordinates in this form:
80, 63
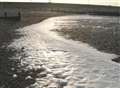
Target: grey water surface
73, 51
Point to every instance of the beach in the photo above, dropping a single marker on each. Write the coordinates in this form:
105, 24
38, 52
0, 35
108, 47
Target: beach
60, 52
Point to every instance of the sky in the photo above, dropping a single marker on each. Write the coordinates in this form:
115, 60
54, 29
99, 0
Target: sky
98, 2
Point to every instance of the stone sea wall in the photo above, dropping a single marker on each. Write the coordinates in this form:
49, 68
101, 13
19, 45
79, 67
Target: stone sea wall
28, 11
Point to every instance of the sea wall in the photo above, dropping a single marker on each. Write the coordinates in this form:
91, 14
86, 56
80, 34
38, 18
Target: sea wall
39, 11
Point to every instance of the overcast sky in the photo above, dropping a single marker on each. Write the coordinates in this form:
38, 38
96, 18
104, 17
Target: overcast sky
100, 2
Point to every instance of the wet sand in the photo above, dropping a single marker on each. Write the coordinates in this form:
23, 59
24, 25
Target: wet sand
101, 33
